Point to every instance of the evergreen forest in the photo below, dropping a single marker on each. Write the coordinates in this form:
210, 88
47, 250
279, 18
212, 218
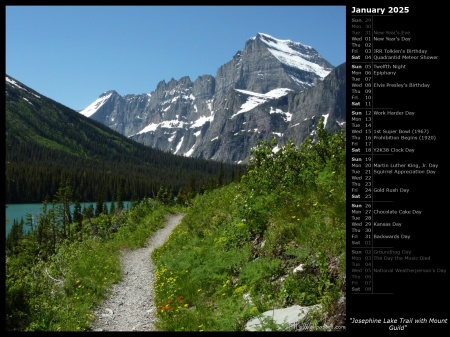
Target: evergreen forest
46, 143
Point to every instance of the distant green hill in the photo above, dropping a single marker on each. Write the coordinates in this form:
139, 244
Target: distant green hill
47, 142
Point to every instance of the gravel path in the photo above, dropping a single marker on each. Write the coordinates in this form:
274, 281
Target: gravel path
130, 306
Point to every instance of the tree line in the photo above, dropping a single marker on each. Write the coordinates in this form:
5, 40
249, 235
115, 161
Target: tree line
34, 172
46, 142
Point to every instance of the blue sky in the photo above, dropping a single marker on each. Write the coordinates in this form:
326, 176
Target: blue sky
72, 54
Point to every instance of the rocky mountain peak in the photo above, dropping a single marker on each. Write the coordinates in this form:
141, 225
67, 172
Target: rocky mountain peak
109, 93
268, 89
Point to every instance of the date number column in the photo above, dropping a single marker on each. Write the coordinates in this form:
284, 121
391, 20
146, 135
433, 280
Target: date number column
361, 128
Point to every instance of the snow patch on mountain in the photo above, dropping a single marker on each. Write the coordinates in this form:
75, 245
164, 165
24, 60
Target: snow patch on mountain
256, 98
179, 145
282, 50
91, 109
11, 81
201, 121
287, 116
172, 124
189, 153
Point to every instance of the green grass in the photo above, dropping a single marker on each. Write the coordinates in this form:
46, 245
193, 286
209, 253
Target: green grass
230, 259
244, 240
211, 262
60, 294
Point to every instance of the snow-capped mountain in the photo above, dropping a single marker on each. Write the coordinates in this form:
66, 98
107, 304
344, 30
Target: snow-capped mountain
272, 88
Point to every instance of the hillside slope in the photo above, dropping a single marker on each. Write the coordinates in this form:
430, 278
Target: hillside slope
46, 141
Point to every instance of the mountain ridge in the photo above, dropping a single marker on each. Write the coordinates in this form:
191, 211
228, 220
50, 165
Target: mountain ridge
201, 118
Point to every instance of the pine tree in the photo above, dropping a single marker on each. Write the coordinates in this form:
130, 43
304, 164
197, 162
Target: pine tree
181, 198
112, 208
192, 188
220, 175
99, 206
120, 196
30, 220
14, 236
78, 219
63, 200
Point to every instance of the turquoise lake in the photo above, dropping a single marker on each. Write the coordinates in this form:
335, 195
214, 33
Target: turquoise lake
19, 211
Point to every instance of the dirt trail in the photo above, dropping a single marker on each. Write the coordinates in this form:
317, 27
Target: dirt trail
130, 306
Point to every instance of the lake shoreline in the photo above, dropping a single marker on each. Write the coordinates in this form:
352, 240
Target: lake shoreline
19, 211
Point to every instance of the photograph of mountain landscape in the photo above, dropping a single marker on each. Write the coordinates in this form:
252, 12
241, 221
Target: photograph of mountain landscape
175, 168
